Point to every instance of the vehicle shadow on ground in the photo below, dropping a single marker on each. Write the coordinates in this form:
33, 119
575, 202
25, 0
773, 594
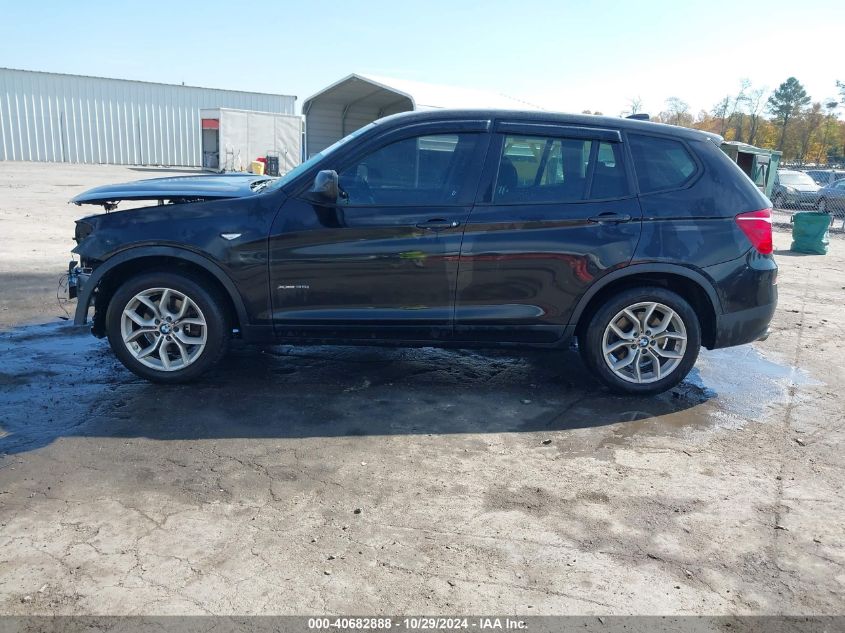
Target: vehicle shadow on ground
63, 383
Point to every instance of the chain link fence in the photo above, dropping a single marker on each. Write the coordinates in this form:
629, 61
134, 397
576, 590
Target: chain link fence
811, 188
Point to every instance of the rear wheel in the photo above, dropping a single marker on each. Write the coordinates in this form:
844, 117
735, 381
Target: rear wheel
822, 206
777, 203
166, 327
642, 341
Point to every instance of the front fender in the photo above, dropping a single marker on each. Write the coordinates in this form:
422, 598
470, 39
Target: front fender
86, 293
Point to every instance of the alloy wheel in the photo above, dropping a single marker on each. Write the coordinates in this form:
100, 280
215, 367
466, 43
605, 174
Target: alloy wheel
644, 342
163, 329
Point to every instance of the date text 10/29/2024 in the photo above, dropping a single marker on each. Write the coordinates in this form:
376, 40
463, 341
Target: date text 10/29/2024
416, 624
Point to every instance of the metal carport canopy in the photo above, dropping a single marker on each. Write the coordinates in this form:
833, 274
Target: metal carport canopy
356, 100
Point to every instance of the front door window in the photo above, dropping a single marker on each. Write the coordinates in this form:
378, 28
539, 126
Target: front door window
423, 170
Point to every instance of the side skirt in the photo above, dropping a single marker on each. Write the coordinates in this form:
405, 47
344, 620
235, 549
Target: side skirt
265, 334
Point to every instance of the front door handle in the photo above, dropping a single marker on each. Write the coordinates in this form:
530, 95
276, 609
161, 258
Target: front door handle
610, 218
438, 224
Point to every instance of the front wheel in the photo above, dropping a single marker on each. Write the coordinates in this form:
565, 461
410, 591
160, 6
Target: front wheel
822, 206
777, 203
167, 327
642, 341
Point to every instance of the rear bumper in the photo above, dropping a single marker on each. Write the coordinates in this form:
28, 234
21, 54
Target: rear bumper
748, 293
744, 326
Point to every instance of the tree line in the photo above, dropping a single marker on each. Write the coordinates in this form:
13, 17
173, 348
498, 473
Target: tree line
786, 119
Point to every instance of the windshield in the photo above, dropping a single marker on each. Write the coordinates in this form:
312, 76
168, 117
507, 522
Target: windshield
795, 178
316, 158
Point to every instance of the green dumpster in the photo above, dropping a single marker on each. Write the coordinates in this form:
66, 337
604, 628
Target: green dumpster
810, 233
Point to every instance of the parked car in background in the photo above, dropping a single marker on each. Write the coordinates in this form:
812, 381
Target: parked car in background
824, 177
794, 190
466, 228
831, 199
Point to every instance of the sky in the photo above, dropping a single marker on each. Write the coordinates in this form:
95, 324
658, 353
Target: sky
562, 55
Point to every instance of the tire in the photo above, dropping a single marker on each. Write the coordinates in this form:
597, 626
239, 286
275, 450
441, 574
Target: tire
822, 206
777, 203
680, 343
188, 335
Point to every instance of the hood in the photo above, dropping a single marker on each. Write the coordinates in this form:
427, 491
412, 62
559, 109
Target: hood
176, 189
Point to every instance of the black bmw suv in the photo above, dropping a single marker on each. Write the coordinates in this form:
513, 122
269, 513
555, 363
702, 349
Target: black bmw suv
445, 228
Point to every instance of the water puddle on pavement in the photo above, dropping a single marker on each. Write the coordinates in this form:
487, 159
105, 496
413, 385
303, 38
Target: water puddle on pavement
58, 381
735, 385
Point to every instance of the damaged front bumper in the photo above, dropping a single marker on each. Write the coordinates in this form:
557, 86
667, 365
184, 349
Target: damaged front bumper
78, 278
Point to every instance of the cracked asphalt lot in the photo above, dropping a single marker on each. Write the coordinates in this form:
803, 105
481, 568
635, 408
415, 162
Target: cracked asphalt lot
363, 481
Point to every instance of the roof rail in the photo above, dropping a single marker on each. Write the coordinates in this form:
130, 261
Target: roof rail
639, 116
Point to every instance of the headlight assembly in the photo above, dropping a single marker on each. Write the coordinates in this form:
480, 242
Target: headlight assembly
83, 230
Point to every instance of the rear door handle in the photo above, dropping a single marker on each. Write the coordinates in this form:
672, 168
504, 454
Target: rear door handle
610, 218
438, 224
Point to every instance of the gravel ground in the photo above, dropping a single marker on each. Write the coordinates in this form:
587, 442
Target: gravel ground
359, 480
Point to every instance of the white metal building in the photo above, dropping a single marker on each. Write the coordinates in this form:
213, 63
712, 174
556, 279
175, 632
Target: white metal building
77, 119
356, 100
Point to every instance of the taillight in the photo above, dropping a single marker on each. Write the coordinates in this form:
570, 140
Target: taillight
757, 226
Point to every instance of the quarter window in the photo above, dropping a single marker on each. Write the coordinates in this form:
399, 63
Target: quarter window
545, 169
418, 170
660, 163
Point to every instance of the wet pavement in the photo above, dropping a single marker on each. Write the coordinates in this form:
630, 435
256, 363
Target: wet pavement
366, 480
437, 479
385, 480
59, 381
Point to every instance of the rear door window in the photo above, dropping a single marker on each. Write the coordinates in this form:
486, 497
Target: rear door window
546, 170
661, 163
609, 179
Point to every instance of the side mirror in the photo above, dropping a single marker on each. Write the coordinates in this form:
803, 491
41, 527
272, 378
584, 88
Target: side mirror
325, 186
